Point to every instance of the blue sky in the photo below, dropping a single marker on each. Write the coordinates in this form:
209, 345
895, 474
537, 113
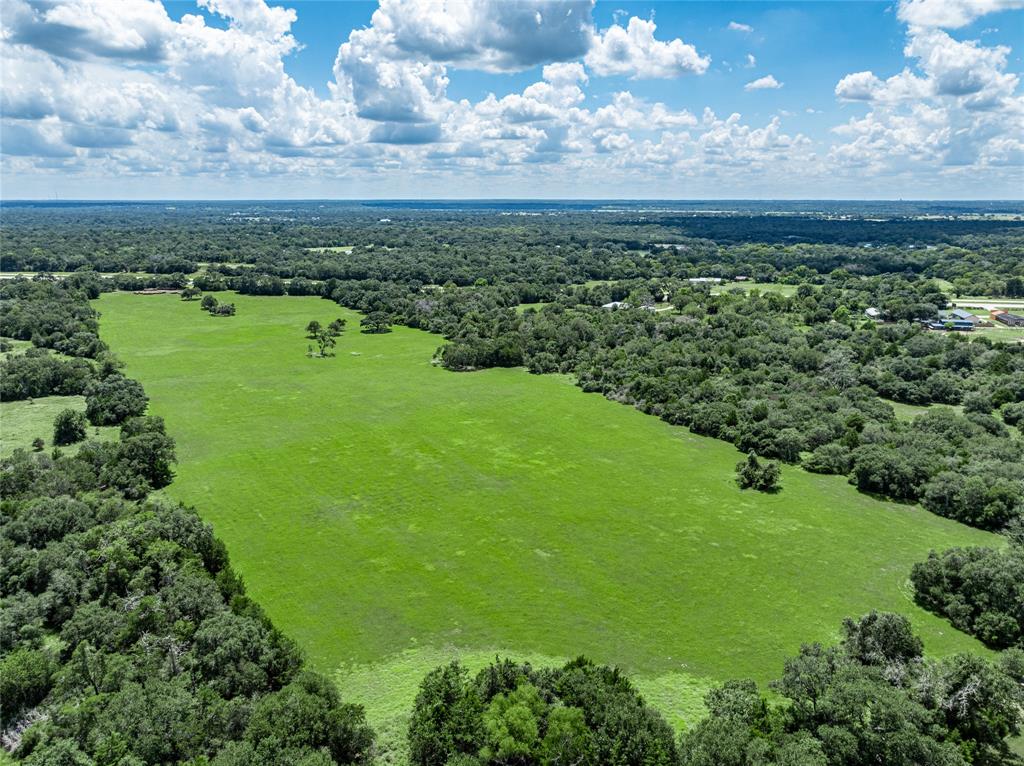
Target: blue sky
464, 98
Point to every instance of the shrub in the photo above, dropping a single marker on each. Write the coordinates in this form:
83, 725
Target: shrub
750, 474
69, 427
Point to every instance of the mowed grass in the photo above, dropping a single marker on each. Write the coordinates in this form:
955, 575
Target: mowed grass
389, 514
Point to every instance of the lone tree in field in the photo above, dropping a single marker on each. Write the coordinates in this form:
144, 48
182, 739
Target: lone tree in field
750, 474
38, 444
376, 322
337, 327
312, 329
326, 342
190, 293
69, 427
209, 303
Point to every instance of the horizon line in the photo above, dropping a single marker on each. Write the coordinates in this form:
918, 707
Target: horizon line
157, 200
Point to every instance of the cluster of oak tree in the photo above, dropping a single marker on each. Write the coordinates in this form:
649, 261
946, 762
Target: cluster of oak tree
215, 308
873, 699
325, 337
980, 590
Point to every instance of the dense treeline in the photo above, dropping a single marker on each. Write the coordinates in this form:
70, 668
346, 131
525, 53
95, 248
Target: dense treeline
128, 639
980, 590
874, 699
56, 315
53, 315
559, 245
37, 373
512, 714
125, 636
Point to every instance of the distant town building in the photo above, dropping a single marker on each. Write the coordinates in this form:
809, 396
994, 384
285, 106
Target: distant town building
615, 305
698, 280
956, 325
965, 315
1011, 320
873, 313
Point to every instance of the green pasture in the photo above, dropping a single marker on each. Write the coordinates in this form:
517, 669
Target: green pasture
763, 287
389, 514
17, 347
332, 249
536, 306
910, 411
22, 421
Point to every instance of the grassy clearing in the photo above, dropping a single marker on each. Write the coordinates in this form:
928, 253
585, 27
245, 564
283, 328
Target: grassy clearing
1007, 334
764, 287
333, 249
17, 347
63, 274
23, 421
386, 512
910, 411
536, 306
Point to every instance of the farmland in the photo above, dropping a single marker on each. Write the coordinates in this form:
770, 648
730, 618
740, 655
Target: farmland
387, 512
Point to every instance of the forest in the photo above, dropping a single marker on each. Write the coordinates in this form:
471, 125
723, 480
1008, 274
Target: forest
548, 245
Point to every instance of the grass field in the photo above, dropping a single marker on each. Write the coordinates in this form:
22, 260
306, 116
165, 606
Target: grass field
16, 347
910, 411
332, 249
764, 287
388, 513
23, 421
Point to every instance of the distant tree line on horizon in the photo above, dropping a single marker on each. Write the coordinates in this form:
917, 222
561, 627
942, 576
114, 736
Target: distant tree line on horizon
978, 256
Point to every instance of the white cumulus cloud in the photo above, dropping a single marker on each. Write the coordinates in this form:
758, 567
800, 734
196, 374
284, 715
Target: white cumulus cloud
119, 90
950, 14
485, 34
768, 82
635, 52
956, 108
